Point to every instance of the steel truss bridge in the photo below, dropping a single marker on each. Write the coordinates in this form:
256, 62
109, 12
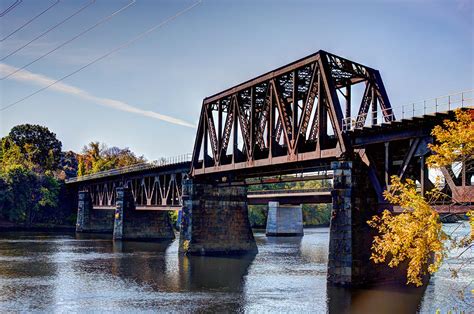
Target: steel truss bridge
296, 120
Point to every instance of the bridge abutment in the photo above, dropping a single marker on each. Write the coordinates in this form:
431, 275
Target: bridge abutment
284, 220
215, 220
132, 224
90, 219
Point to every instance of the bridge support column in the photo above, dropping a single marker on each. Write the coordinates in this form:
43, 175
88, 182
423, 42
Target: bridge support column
215, 220
284, 220
92, 220
354, 202
83, 211
132, 224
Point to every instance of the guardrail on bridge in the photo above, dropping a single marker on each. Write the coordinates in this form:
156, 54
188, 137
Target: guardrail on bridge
445, 103
134, 168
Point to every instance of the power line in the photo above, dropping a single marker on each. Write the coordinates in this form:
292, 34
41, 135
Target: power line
49, 30
128, 43
11, 7
72, 39
30, 20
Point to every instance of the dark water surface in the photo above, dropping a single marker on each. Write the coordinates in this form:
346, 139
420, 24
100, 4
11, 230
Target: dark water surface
44, 272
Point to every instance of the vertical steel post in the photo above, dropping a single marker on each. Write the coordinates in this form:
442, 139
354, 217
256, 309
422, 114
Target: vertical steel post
348, 103
423, 175
374, 107
235, 129
295, 106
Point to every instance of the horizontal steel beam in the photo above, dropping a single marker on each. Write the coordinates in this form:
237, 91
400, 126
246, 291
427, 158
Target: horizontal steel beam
143, 208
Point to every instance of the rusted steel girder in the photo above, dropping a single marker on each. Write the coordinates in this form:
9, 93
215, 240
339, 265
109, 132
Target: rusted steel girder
289, 115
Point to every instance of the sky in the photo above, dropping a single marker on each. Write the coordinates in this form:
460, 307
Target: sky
147, 96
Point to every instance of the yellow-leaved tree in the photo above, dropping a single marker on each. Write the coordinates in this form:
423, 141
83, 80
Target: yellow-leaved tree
415, 235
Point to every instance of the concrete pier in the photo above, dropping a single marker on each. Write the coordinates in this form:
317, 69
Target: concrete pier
284, 220
132, 224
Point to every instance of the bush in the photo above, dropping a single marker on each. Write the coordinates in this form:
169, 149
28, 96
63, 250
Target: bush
258, 215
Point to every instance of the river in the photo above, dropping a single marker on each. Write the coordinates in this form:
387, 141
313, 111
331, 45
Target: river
53, 272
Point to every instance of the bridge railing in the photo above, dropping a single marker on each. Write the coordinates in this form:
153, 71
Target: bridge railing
464, 99
134, 168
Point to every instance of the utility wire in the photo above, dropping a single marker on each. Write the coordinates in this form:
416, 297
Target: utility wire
30, 20
72, 39
49, 30
127, 43
11, 7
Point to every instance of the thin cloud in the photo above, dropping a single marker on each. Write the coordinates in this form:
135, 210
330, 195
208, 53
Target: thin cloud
41, 80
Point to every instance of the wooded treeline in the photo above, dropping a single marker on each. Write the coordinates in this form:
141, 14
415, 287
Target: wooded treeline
33, 169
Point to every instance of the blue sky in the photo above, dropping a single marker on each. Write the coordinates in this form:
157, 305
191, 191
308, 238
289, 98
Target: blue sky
422, 48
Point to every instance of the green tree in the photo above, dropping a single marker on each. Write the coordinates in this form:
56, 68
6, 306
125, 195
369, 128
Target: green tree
38, 145
11, 155
28, 194
29, 173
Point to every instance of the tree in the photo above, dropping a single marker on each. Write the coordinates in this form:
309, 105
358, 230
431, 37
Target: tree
97, 157
38, 145
11, 155
454, 141
6, 198
30, 175
416, 235
27, 194
69, 164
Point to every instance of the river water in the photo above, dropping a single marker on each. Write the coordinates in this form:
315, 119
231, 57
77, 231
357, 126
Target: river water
51, 272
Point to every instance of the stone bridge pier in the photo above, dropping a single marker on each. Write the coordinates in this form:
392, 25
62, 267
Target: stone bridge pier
215, 220
125, 222
354, 203
133, 224
90, 219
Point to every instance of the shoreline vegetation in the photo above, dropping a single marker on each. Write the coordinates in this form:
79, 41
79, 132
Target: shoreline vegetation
33, 170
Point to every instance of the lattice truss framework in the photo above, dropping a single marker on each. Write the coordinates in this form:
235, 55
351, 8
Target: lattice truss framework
152, 191
286, 113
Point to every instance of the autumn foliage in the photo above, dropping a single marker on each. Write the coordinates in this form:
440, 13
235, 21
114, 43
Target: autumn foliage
416, 234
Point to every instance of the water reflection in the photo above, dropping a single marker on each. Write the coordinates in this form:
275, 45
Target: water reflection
375, 300
65, 273
225, 274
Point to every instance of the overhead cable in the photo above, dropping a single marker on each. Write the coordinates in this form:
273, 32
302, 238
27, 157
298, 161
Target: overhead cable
127, 43
29, 21
105, 19
49, 30
10, 8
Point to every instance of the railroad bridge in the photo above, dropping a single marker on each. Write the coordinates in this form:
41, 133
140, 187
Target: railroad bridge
321, 116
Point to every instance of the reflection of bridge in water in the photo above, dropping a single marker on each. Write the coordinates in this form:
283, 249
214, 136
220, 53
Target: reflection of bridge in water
320, 113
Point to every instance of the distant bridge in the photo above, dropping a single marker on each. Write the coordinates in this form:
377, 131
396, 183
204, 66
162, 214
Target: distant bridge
158, 186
